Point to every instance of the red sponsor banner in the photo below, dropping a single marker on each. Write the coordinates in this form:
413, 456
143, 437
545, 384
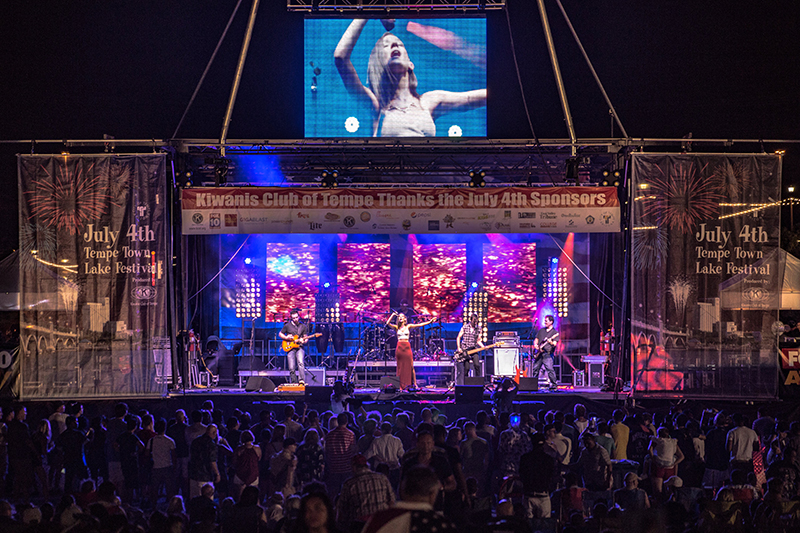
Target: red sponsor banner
394, 210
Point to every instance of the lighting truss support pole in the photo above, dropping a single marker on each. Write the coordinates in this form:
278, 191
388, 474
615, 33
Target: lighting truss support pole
557, 72
223, 137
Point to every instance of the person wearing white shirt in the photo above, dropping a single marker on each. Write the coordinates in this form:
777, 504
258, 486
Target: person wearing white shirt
387, 448
742, 442
561, 444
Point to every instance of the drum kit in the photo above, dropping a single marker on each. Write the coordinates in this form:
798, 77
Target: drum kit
378, 341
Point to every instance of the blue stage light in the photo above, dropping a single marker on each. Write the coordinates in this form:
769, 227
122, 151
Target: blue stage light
247, 261
474, 284
554, 260
327, 285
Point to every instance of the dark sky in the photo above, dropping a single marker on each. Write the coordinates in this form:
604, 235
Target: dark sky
718, 69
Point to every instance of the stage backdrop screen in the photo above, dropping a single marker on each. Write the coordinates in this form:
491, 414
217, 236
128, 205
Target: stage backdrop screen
363, 278
440, 273
292, 278
355, 70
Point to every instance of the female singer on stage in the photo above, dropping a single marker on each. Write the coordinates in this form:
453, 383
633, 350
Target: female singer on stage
403, 353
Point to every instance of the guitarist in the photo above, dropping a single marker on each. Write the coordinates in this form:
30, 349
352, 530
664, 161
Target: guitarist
467, 339
545, 346
299, 330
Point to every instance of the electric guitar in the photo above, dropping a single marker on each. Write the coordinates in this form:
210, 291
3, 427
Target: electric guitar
536, 354
461, 356
297, 341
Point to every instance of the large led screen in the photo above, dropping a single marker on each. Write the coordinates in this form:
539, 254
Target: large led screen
509, 276
363, 278
395, 78
440, 273
292, 279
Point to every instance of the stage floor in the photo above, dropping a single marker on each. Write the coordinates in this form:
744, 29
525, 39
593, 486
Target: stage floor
427, 394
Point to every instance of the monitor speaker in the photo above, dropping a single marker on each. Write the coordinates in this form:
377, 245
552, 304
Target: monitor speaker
469, 394
528, 384
318, 394
258, 383
315, 376
390, 381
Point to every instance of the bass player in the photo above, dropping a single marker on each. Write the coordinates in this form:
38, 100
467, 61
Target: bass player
295, 332
468, 338
544, 346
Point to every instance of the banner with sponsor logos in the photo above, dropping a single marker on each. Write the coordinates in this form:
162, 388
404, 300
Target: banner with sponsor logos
396, 211
94, 242
706, 273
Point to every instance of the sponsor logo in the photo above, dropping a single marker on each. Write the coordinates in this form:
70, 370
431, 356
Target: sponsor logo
755, 294
314, 225
526, 225
414, 214
570, 215
197, 218
570, 223
230, 221
525, 214
507, 214
264, 219
607, 218
548, 225
303, 215
331, 217
486, 225
548, 215
406, 224
384, 215
433, 225
590, 220
500, 225
365, 216
484, 216
143, 292
214, 220
448, 220
349, 222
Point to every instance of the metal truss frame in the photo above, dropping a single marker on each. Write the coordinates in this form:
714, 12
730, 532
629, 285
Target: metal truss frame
382, 6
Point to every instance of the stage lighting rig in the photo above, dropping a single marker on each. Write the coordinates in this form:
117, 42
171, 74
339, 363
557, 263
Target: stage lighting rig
476, 302
611, 178
248, 296
327, 305
572, 174
329, 179
477, 178
555, 287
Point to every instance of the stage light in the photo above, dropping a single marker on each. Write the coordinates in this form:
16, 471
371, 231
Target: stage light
248, 296
326, 285
330, 178
572, 171
474, 284
248, 261
477, 178
790, 188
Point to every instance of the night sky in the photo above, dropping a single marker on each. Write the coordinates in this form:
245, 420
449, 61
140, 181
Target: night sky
78, 70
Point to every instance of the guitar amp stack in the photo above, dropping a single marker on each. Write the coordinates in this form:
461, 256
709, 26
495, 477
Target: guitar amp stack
506, 357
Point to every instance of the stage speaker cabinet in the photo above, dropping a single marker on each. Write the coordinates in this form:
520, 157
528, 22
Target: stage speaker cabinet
528, 384
258, 383
390, 382
315, 376
318, 394
469, 394
506, 361
474, 381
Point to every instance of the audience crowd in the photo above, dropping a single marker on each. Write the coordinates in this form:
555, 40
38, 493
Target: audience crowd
397, 471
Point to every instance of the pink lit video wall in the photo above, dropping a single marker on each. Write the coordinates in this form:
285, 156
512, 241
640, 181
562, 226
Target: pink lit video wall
292, 279
440, 273
509, 276
363, 279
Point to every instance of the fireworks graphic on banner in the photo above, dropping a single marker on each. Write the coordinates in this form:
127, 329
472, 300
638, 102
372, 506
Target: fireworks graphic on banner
679, 289
69, 200
735, 179
649, 248
682, 198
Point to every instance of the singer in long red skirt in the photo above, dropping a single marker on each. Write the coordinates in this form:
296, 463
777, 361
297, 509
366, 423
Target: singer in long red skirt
403, 354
